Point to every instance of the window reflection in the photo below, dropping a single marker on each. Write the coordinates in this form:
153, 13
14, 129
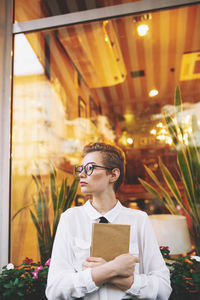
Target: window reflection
91, 82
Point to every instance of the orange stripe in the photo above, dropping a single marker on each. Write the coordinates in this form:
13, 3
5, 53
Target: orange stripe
142, 63
108, 97
73, 33
190, 28
171, 79
58, 59
125, 53
120, 100
156, 48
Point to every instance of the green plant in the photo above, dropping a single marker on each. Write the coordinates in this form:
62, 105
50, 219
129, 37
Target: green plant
188, 159
58, 199
185, 276
26, 281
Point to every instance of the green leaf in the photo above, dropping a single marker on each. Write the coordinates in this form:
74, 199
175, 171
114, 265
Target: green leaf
172, 129
164, 192
21, 209
194, 158
61, 195
186, 176
171, 183
36, 223
38, 176
46, 224
72, 193
196, 132
8, 285
178, 101
169, 204
35, 180
150, 189
16, 281
178, 104
38, 206
53, 190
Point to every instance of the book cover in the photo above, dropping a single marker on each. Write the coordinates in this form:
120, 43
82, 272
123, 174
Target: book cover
109, 240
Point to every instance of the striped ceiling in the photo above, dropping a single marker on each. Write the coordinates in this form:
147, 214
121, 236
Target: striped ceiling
158, 55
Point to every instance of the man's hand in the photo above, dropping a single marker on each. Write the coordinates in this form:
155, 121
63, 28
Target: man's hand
125, 264
123, 283
92, 262
122, 267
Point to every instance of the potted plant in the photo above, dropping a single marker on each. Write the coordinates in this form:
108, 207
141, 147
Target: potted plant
58, 199
188, 161
184, 275
26, 281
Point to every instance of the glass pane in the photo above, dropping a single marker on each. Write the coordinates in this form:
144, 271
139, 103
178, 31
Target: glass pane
26, 10
91, 82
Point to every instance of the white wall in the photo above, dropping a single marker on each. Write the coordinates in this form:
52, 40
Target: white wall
5, 72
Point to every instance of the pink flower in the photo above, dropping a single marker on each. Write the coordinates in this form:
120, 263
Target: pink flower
164, 247
35, 275
28, 260
38, 269
47, 263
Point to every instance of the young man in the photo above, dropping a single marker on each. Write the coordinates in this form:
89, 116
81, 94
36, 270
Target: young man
139, 274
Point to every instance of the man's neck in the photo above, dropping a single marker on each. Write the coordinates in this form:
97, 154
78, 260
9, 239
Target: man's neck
103, 205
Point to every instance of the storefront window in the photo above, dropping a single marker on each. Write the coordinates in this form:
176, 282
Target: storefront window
103, 81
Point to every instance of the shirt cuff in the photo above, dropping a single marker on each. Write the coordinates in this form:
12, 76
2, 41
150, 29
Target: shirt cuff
136, 286
89, 283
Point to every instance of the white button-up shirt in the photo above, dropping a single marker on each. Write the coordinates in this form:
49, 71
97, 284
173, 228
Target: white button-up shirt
67, 280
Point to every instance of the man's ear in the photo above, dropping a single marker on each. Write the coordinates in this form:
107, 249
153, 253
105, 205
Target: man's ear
115, 173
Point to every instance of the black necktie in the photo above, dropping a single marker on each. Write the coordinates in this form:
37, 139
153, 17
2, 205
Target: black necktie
103, 220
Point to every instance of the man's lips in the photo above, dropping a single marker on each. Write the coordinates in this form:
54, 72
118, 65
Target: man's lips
83, 183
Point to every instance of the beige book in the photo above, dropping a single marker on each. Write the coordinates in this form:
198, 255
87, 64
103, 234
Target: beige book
109, 240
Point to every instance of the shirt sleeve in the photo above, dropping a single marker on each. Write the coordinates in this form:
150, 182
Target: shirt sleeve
63, 281
153, 280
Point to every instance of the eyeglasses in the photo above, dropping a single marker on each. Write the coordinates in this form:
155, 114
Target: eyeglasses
88, 169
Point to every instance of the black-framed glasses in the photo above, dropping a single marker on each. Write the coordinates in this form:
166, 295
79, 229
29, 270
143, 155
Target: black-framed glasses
88, 169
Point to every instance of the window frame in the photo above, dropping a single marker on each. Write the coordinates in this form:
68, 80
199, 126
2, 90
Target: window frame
7, 34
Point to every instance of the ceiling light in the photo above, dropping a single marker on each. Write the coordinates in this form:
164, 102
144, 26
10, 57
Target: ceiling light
169, 140
153, 131
153, 93
129, 141
163, 131
161, 137
142, 29
129, 117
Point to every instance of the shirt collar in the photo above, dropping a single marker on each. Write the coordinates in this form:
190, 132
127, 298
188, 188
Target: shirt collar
94, 214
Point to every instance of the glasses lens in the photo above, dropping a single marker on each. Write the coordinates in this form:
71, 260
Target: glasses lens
78, 170
89, 169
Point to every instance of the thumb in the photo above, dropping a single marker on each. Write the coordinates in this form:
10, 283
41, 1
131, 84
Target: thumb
137, 259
